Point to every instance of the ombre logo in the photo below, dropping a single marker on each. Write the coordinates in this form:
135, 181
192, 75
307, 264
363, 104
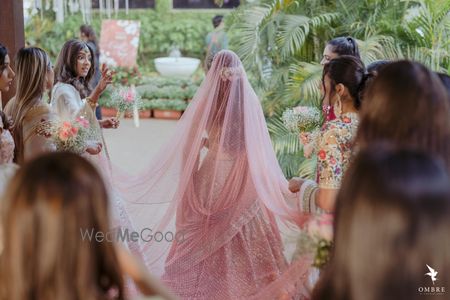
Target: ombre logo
432, 274
431, 290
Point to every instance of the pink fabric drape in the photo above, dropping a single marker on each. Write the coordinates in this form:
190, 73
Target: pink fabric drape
217, 190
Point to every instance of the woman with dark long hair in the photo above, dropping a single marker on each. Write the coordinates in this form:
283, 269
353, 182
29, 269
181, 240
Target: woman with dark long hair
407, 106
392, 226
72, 96
7, 168
6, 72
87, 35
73, 92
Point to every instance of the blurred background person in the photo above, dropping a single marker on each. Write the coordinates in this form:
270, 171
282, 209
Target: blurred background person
50, 202
406, 106
215, 41
401, 200
87, 35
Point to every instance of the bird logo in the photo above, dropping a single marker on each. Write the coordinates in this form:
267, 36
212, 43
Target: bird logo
432, 274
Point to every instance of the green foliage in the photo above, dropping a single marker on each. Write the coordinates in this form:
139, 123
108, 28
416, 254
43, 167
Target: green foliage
281, 44
160, 31
147, 104
164, 104
105, 98
127, 76
168, 88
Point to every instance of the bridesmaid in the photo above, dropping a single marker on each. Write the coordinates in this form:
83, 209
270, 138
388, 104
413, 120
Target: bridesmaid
334, 48
29, 111
7, 168
337, 47
343, 79
6, 72
72, 94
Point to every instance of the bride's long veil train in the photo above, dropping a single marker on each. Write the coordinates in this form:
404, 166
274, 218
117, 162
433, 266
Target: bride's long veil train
208, 206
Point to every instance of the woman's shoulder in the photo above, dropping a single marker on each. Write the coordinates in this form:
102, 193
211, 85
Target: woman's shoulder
346, 121
9, 106
342, 128
40, 113
61, 87
64, 91
38, 121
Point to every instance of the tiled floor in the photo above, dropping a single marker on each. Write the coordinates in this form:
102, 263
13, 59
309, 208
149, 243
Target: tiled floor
133, 148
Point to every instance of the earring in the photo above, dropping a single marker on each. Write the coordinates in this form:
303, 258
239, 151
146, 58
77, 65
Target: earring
338, 107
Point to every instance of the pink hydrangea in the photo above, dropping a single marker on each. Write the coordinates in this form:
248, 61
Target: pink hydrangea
321, 227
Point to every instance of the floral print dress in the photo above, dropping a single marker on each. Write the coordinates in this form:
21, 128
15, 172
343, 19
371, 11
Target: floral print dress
335, 149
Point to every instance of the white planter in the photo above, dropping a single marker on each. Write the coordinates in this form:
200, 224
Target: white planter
176, 66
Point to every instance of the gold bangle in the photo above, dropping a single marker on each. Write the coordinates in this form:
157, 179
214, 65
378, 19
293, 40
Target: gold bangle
91, 103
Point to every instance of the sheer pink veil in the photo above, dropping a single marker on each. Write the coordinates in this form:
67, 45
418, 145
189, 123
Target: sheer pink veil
217, 172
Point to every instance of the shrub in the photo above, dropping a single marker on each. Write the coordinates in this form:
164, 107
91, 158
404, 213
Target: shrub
163, 104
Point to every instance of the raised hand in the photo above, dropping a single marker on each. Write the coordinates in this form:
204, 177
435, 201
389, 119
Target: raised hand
105, 80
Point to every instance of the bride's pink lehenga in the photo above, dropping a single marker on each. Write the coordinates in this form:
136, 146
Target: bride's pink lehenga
217, 187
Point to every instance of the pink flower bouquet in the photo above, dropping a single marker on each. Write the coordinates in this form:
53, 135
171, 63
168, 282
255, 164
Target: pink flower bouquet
317, 239
72, 136
126, 99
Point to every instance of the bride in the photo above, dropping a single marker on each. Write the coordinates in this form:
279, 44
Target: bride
210, 202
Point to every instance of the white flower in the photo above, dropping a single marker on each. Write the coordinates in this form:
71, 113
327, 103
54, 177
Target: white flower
301, 118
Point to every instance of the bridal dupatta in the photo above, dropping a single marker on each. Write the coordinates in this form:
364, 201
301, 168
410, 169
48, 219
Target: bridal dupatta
207, 207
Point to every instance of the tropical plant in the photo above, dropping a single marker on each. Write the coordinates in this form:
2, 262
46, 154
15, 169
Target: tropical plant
160, 30
281, 43
164, 104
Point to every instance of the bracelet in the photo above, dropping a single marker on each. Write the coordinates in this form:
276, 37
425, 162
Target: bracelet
91, 103
307, 196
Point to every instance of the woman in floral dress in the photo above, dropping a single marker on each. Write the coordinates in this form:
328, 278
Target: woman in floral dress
343, 81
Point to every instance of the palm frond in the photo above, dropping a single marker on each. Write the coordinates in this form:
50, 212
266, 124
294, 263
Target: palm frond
374, 48
304, 82
307, 168
286, 145
294, 30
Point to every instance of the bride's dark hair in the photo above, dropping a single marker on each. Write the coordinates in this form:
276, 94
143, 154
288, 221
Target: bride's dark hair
66, 67
407, 106
401, 201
